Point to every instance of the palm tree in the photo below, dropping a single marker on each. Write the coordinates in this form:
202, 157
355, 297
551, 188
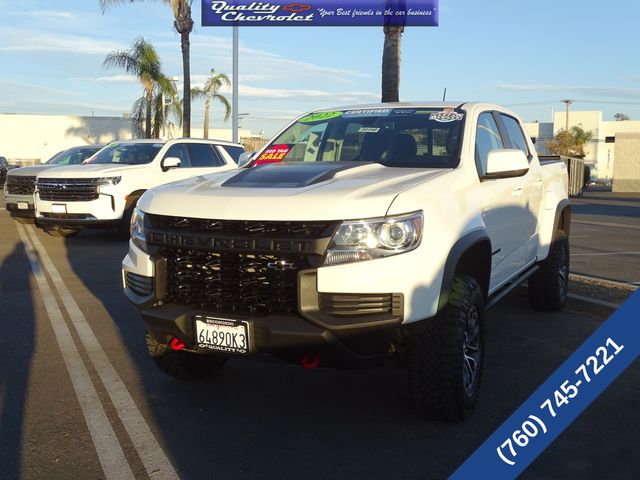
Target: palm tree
391, 63
143, 62
210, 91
183, 24
160, 110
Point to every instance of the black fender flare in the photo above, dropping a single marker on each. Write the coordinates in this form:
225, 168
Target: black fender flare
562, 218
463, 245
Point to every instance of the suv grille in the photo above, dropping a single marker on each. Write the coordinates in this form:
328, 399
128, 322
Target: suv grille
21, 185
229, 276
67, 189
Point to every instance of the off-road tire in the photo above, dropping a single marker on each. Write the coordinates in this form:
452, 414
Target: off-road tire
548, 286
183, 365
436, 356
62, 232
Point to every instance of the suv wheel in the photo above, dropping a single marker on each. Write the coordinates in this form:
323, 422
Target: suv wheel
180, 364
548, 286
445, 358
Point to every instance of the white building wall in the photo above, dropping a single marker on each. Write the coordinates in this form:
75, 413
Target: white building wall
29, 139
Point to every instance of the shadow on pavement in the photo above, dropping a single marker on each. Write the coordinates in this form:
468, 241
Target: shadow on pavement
16, 350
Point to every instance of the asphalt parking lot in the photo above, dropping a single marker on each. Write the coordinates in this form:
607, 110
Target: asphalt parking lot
267, 420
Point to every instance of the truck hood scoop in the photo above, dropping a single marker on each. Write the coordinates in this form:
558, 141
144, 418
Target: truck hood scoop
289, 175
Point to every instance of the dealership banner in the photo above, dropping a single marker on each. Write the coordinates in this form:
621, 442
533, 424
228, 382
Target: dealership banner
560, 399
320, 13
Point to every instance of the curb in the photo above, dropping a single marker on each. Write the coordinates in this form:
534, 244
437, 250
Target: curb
603, 281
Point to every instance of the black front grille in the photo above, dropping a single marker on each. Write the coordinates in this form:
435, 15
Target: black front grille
21, 185
309, 230
67, 189
233, 282
243, 266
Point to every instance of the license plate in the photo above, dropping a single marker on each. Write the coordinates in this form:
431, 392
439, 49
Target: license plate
23, 206
222, 335
59, 208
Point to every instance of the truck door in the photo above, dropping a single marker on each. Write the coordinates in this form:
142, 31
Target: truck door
532, 188
502, 204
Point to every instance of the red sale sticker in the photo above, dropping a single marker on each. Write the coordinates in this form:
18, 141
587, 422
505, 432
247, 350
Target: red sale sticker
274, 154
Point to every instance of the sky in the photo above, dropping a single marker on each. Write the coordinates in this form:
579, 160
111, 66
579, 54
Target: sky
524, 55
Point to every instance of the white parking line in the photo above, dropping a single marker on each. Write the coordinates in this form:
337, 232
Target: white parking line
151, 454
114, 463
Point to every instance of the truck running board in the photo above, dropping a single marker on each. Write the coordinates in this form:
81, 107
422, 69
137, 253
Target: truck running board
500, 294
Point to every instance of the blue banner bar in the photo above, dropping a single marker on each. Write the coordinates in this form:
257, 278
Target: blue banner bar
560, 399
320, 13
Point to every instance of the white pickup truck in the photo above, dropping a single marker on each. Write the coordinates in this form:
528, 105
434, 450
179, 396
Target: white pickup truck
104, 190
372, 231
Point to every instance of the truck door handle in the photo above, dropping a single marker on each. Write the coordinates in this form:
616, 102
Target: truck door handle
517, 191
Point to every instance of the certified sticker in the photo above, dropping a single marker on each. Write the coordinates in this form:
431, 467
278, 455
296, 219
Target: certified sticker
368, 130
446, 116
273, 154
368, 112
319, 117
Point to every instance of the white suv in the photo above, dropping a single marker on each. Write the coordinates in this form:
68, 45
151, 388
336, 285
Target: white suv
104, 191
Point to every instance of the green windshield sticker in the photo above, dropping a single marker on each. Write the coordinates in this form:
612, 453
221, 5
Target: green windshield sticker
318, 117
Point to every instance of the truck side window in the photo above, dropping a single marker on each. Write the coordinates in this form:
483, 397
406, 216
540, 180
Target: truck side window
179, 151
203, 155
487, 138
234, 152
515, 134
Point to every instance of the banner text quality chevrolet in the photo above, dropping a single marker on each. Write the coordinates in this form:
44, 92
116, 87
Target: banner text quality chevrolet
381, 230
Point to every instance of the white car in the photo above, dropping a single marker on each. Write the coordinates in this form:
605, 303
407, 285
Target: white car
21, 182
380, 230
104, 191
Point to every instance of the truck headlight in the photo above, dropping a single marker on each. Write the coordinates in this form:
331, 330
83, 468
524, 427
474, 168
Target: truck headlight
137, 230
359, 240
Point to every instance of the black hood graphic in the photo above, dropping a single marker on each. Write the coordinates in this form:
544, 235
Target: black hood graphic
289, 175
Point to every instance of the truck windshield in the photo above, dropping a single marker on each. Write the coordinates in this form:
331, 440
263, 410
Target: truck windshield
395, 137
127, 153
73, 156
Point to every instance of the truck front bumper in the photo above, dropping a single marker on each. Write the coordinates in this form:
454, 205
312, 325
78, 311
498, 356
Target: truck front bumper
20, 206
100, 213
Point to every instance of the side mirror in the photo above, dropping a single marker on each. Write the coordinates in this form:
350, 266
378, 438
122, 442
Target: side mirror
503, 163
245, 158
168, 163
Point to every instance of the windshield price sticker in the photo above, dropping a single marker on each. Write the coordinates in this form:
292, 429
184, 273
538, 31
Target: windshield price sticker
446, 116
319, 117
369, 130
273, 154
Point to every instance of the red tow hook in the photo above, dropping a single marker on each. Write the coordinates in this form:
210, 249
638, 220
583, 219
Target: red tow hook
310, 362
176, 344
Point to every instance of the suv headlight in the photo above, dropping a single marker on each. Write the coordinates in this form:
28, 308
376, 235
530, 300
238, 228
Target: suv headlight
359, 240
137, 230
107, 181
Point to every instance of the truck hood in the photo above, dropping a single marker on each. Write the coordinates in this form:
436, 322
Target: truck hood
29, 171
314, 191
91, 171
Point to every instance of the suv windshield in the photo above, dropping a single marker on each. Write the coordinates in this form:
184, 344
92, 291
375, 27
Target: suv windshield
73, 156
395, 137
127, 153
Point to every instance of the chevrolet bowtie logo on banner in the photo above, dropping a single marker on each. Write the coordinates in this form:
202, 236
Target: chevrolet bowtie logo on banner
321, 13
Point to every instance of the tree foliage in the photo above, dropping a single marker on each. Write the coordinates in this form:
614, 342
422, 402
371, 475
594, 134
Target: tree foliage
570, 143
211, 91
183, 23
621, 117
